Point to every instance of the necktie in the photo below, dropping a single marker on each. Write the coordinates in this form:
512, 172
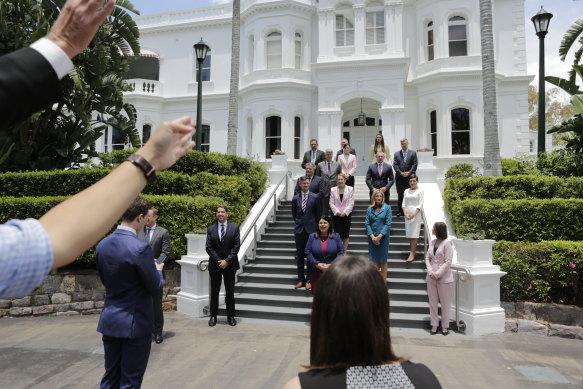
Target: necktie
329, 169
222, 232
380, 169
149, 233
404, 155
304, 202
313, 156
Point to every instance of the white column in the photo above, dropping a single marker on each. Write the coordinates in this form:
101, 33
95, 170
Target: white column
393, 126
359, 29
329, 127
259, 63
398, 29
326, 22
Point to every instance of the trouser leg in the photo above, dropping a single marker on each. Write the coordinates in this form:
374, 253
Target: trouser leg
445, 296
433, 300
215, 278
229, 279
301, 240
402, 184
158, 314
112, 354
134, 361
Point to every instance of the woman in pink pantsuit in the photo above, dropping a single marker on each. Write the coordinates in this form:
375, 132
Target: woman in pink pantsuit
347, 163
439, 277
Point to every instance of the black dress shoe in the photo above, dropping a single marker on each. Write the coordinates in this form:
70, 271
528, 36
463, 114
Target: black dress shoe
213, 321
158, 337
231, 320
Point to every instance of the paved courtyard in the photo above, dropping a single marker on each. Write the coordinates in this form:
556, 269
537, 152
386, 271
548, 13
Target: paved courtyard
66, 352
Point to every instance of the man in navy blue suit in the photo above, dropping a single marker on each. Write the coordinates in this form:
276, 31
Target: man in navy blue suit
222, 246
306, 210
405, 161
131, 277
317, 186
380, 176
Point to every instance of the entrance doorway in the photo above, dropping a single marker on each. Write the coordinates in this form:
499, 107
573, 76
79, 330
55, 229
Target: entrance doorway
361, 138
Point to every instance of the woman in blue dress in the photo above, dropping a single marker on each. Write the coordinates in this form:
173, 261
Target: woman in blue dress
378, 224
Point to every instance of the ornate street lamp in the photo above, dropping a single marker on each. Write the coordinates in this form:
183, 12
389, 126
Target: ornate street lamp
541, 25
200, 49
361, 116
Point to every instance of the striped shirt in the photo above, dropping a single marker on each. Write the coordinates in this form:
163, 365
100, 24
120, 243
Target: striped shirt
26, 257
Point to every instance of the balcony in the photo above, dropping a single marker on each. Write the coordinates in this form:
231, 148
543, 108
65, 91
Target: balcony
142, 86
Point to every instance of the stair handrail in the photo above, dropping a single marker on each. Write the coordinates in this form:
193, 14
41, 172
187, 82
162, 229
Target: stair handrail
461, 274
426, 235
253, 225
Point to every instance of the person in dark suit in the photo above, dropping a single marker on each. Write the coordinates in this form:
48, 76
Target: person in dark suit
313, 155
323, 247
380, 176
222, 246
328, 170
29, 77
405, 161
131, 277
159, 239
306, 210
316, 183
343, 144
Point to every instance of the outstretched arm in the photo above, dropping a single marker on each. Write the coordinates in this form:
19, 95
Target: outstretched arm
77, 223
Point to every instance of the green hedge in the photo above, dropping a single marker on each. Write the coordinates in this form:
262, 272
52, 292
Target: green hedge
519, 166
559, 163
68, 182
179, 214
513, 187
549, 271
461, 170
194, 162
519, 220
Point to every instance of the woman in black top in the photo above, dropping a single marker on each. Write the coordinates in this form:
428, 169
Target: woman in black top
350, 334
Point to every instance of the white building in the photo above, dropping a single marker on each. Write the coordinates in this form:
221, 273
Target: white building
307, 67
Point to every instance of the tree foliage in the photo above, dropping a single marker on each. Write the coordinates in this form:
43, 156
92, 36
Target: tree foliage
92, 93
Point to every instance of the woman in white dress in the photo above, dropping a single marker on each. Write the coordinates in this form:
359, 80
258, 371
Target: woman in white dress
412, 204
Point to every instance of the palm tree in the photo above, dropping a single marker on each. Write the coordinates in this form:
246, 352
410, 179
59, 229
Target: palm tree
492, 166
234, 92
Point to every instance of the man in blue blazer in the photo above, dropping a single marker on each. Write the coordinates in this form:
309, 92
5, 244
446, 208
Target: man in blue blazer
316, 183
405, 161
306, 211
380, 176
131, 277
222, 246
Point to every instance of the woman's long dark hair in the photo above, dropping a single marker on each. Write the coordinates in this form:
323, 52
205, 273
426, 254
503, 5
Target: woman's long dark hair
350, 317
330, 226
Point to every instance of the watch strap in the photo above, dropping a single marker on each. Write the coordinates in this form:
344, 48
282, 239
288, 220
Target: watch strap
146, 167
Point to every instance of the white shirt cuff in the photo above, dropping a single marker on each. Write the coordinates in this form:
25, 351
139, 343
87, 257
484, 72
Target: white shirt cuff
55, 55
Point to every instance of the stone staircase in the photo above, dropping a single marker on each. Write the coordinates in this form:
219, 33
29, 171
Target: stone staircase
265, 287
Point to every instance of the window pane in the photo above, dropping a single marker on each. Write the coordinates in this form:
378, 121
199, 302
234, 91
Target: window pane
298, 54
297, 127
339, 22
349, 25
273, 126
430, 37
430, 54
457, 33
460, 119
116, 137
370, 121
370, 19
380, 19
297, 148
272, 144
434, 144
339, 38
370, 36
346, 123
456, 19
205, 138
460, 142
380, 35
433, 131
457, 49
146, 132
460, 127
350, 38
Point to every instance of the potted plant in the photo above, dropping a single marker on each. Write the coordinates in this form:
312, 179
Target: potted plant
473, 250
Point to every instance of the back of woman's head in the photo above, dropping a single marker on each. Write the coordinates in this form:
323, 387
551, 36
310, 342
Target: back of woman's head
350, 316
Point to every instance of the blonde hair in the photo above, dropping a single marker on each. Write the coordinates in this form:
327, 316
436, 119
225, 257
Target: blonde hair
374, 193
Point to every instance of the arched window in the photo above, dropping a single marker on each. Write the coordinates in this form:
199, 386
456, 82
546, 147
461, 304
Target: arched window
375, 27
458, 36
460, 131
430, 44
298, 51
344, 31
297, 136
433, 131
273, 50
272, 135
206, 67
146, 132
117, 139
205, 139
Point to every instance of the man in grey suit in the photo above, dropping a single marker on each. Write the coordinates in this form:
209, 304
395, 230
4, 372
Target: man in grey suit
313, 155
328, 171
405, 164
159, 239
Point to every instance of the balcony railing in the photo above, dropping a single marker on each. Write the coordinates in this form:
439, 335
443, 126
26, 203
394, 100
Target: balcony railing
146, 87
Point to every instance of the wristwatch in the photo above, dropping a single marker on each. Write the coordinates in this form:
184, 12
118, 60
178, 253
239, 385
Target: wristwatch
145, 166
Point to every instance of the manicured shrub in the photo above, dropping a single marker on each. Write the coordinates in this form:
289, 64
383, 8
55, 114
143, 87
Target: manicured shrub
548, 271
518, 166
560, 163
462, 170
179, 214
519, 220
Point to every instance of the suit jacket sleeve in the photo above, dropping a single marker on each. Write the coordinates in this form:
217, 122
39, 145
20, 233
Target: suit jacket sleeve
349, 202
369, 178
233, 254
28, 83
166, 248
339, 244
387, 222
306, 159
333, 200
352, 166
391, 178
396, 159
428, 258
309, 253
367, 222
448, 255
150, 276
213, 255
294, 207
318, 171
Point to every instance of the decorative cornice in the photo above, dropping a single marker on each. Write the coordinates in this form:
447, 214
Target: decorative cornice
276, 5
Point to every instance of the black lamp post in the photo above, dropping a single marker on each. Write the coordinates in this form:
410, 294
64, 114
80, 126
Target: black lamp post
541, 24
200, 50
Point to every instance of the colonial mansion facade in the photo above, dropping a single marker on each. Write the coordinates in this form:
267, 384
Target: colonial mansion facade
308, 68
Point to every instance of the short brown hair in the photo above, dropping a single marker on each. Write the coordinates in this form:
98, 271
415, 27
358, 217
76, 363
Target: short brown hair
139, 206
350, 317
222, 206
440, 229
